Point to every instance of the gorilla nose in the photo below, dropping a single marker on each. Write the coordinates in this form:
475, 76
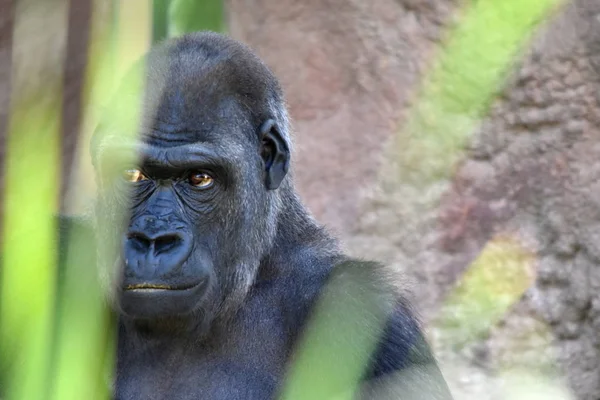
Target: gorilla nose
150, 255
158, 244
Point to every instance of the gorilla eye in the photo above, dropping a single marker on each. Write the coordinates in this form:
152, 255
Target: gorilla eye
134, 175
201, 180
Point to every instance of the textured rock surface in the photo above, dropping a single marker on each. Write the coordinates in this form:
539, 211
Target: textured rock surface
348, 68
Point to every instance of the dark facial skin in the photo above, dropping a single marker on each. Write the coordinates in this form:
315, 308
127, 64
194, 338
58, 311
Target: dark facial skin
162, 274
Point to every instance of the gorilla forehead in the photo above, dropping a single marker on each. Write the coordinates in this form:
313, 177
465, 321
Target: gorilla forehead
178, 122
203, 86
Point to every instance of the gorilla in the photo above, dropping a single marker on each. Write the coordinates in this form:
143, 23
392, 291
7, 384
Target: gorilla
222, 281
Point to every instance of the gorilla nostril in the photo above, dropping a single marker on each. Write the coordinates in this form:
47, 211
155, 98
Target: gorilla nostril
166, 242
140, 241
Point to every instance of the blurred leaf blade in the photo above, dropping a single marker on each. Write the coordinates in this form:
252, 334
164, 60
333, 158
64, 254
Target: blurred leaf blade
343, 332
29, 265
494, 283
191, 15
86, 341
160, 20
469, 73
32, 162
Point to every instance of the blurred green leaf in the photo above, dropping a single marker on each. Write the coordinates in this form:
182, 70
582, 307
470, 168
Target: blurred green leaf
27, 302
160, 20
469, 73
86, 338
494, 282
194, 15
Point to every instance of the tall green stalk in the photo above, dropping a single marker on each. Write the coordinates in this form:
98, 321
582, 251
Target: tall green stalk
160, 20
86, 334
194, 15
31, 200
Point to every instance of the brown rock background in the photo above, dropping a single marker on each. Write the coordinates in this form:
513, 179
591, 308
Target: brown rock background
348, 68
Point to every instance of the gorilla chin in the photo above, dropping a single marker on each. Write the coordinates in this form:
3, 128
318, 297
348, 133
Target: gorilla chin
150, 301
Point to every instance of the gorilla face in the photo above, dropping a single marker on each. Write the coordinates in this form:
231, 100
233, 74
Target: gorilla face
175, 220
198, 219
200, 199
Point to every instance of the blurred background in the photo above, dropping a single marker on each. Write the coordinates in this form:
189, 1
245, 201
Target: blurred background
457, 141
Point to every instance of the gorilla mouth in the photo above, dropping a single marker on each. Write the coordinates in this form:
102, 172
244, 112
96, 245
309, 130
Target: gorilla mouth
153, 286
158, 299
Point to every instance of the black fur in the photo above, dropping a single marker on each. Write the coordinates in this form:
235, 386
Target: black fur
256, 261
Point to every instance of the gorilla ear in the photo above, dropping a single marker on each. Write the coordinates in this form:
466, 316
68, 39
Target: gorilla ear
275, 154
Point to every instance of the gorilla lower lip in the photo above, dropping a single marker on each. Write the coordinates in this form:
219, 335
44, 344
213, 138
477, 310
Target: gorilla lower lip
150, 286
158, 300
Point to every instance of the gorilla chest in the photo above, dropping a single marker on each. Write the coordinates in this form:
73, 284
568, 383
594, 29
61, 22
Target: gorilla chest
249, 363
200, 379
